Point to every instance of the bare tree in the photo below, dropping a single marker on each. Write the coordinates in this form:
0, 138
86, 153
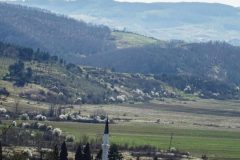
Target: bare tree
16, 102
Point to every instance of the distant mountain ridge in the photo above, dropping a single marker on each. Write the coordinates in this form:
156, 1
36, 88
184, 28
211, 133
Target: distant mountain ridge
50, 32
192, 22
98, 46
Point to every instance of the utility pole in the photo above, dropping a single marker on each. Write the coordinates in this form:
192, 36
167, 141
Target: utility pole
170, 144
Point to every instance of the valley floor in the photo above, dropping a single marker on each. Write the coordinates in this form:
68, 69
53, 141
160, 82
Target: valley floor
208, 127
217, 144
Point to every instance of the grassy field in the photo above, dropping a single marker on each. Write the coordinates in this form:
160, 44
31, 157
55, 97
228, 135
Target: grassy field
125, 40
201, 127
217, 144
209, 127
191, 114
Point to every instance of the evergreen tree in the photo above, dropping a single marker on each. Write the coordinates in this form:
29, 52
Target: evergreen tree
55, 153
64, 152
19, 74
114, 153
79, 154
87, 152
1, 156
204, 157
29, 73
99, 155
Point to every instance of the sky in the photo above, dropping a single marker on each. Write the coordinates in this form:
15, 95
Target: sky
235, 3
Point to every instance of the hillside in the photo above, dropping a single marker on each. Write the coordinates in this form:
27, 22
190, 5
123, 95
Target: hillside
160, 20
177, 63
59, 35
213, 60
37, 76
129, 39
159, 109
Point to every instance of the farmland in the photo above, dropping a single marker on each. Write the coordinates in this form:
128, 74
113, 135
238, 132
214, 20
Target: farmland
217, 144
210, 132
215, 131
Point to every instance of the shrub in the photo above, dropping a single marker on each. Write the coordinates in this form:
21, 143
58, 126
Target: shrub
49, 128
28, 153
63, 117
4, 91
173, 149
3, 110
41, 117
26, 125
70, 138
121, 98
14, 123
43, 127
24, 117
34, 125
57, 132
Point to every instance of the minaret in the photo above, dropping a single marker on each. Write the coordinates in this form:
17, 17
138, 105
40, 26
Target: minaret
105, 143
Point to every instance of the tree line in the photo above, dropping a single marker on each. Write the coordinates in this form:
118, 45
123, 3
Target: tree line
18, 72
82, 153
27, 54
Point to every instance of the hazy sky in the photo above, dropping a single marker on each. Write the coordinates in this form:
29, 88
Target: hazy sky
229, 2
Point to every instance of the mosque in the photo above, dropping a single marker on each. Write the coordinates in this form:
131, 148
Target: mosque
105, 142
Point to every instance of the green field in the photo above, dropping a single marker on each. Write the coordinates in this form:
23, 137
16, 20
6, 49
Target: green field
125, 39
210, 131
217, 144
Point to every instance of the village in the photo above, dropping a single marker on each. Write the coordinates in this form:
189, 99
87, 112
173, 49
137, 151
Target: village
36, 140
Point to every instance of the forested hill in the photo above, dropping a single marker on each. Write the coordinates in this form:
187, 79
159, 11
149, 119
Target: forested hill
38, 76
56, 34
213, 60
205, 21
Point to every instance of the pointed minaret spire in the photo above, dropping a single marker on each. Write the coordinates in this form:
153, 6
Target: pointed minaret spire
106, 131
105, 143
